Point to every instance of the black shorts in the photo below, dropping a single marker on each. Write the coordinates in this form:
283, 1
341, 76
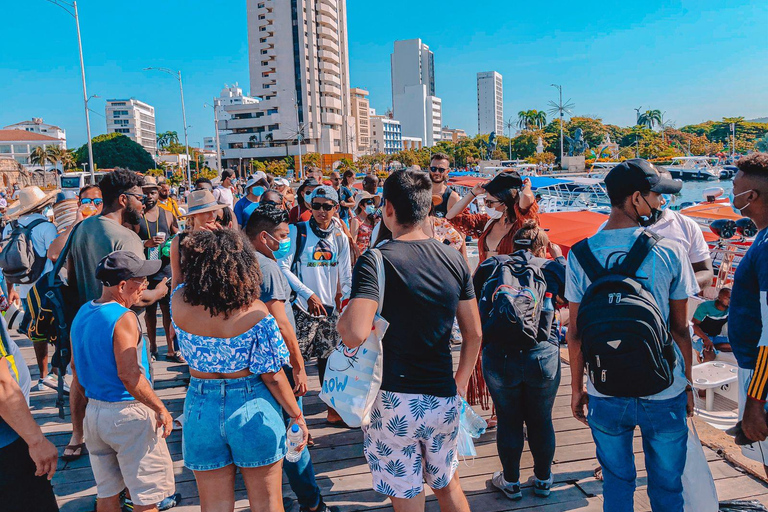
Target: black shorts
20, 489
166, 300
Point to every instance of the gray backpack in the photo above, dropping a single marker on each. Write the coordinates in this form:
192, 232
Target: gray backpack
20, 262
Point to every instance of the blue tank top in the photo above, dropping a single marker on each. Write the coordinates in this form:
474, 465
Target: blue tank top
94, 354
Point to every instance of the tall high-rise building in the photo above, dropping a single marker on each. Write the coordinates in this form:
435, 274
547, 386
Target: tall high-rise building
413, 91
490, 103
134, 119
299, 69
361, 113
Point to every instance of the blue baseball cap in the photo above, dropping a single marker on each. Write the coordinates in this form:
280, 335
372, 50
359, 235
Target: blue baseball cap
325, 192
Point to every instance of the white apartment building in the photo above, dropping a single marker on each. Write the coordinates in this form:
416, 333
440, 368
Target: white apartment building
299, 68
19, 145
134, 119
386, 135
36, 125
413, 91
490, 103
361, 111
453, 135
414, 143
209, 143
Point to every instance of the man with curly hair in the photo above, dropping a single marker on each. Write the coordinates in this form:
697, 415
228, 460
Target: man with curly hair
748, 315
91, 241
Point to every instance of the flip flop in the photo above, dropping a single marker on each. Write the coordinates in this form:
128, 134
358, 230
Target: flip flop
337, 423
74, 448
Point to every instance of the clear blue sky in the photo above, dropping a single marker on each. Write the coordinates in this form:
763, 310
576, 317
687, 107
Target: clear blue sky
694, 59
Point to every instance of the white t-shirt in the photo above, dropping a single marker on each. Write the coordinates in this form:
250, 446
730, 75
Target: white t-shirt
682, 230
325, 265
225, 196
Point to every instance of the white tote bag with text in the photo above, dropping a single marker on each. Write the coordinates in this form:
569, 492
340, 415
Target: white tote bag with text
353, 375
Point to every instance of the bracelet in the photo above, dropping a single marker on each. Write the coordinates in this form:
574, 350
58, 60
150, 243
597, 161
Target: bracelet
688, 389
473, 193
297, 418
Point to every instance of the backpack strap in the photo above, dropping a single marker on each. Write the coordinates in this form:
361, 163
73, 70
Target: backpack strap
32, 225
301, 243
588, 261
638, 252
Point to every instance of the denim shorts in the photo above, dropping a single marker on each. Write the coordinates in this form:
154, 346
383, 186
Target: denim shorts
231, 421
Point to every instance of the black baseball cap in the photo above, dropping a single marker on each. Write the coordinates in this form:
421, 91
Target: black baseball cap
638, 175
503, 181
123, 265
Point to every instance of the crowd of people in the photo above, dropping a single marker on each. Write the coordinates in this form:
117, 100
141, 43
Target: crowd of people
255, 281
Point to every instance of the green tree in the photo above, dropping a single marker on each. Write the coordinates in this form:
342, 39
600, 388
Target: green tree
311, 159
166, 138
68, 160
40, 156
277, 167
761, 144
116, 150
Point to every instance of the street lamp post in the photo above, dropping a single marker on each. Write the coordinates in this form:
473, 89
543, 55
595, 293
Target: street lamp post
64, 5
560, 89
216, 127
177, 76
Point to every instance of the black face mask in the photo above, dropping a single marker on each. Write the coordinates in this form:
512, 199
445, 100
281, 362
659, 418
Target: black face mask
649, 220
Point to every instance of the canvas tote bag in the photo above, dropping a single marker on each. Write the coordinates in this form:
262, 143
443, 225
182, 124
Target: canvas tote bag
353, 375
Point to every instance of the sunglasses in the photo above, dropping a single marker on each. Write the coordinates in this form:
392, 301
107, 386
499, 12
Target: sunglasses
438, 169
492, 203
96, 202
140, 197
323, 206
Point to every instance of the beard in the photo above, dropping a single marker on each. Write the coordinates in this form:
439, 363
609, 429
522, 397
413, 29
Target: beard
132, 216
163, 196
439, 179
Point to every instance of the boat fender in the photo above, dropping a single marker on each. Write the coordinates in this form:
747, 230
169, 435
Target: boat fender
712, 193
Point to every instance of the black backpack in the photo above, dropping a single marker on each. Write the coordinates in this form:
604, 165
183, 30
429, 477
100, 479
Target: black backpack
511, 301
20, 262
625, 341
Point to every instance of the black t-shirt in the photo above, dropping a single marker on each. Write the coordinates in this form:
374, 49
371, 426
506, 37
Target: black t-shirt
425, 280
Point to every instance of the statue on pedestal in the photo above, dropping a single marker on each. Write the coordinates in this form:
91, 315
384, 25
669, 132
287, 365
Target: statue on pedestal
576, 144
490, 146
540, 146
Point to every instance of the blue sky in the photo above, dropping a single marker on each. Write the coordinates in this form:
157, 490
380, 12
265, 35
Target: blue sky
694, 59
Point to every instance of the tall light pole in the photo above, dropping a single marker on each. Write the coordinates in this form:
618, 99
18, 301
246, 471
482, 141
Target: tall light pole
177, 76
216, 127
561, 109
66, 6
510, 124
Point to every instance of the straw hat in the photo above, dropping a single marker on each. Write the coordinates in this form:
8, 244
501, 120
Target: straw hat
363, 196
30, 198
150, 182
201, 201
65, 209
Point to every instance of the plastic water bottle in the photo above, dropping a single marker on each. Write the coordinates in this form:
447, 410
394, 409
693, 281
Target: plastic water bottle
548, 306
471, 421
294, 438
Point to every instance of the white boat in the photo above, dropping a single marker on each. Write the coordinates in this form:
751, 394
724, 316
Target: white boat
701, 168
601, 169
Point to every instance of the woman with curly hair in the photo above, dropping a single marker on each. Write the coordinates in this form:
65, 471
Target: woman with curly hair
232, 416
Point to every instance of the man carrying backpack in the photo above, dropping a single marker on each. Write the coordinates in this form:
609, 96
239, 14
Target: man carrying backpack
622, 325
25, 244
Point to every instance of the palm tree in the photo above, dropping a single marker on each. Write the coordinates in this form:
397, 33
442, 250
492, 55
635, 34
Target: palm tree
56, 155
40, 156
539, 118
165, 139
524, 119
650, 118
68, 160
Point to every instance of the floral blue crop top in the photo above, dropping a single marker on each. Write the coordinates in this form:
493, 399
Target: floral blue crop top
261, 349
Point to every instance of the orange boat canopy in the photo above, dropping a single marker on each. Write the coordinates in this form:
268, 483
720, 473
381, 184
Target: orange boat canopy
567, 228
718, 209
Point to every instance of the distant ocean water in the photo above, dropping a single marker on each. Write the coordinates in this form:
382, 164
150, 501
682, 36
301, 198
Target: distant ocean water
692, 190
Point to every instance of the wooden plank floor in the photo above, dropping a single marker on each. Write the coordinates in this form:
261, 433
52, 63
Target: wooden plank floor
343, 474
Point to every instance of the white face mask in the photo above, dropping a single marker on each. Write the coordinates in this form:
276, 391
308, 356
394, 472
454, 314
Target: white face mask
493, 213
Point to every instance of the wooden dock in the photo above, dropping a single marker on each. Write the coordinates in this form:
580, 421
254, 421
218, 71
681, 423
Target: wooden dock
343, 474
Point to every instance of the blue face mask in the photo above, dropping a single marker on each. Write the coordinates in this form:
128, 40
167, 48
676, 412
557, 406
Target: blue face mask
668, 198
257, 191
284, 247
733, 206
370, 209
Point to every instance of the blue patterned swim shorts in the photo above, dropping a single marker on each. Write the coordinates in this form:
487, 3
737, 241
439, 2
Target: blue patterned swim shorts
409, 439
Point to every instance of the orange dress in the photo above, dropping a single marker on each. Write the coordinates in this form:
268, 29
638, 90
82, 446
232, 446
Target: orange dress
478, 225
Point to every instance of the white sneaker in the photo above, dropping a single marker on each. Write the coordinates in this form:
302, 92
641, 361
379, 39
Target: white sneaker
52, 381
510, 490
41, 385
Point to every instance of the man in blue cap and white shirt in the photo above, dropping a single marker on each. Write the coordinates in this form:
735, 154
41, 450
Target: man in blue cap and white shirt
317, 268
635, 188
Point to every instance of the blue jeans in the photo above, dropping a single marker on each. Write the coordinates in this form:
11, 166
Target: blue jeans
665, 434
301, 474
523, 385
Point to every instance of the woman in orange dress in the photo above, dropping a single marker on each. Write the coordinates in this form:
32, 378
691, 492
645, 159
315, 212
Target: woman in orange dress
509, 203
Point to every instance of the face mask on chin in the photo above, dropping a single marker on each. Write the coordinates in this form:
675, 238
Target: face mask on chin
651, 219
493, 213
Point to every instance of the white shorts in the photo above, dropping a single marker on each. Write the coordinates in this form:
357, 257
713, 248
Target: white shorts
755, 451
411, 438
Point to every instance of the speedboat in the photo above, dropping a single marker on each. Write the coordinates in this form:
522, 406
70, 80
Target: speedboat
700, 168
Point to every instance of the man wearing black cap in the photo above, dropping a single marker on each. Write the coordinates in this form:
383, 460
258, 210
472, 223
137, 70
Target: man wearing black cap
123, 413
635, 189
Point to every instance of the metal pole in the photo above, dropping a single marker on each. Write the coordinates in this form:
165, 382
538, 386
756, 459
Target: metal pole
299, 172
85, 96
186, 141
560, 88
216, 125
733, 146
